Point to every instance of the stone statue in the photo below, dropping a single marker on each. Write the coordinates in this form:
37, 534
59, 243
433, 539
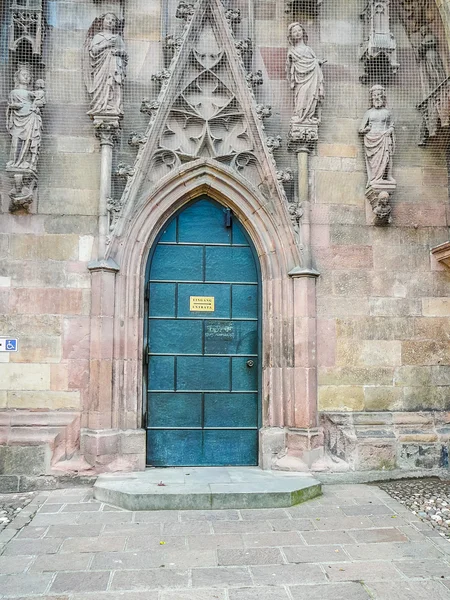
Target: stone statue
432, 70
305, 76
105, 64
24, 121
379, 141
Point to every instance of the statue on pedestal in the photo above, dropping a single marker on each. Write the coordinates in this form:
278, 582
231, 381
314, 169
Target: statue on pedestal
377, 127
105, 64
24, 124
304, 73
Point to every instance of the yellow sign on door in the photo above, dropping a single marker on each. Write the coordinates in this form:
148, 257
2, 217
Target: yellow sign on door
202, 304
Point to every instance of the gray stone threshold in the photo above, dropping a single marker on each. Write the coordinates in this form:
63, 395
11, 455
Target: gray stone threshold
203, 488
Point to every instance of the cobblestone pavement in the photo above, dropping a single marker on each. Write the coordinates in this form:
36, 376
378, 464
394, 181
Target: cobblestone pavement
354, 543
427, 498
11, 505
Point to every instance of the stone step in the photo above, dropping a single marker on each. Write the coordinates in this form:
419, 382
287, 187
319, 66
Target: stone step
204, 488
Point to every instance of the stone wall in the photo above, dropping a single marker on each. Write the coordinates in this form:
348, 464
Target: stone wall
382, 300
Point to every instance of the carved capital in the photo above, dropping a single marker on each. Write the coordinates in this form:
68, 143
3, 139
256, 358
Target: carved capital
107, 129
302, 135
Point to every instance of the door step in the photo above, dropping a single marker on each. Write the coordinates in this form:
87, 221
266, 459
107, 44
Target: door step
205, 488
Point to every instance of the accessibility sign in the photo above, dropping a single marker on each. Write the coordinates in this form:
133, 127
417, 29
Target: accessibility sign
9, 345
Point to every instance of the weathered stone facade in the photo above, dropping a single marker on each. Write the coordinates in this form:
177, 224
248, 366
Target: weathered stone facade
356, 316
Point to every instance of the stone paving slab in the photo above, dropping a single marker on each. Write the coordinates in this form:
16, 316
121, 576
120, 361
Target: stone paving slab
344, 545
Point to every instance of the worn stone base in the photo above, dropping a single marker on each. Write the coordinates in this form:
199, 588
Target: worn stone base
387, 441
35, 443
114, 449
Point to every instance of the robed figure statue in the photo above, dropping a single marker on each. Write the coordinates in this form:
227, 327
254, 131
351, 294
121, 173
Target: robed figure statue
379, 142
24, 121
105, 61
305, 76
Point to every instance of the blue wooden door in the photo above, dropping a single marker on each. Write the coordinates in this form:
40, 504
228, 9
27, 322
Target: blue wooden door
203, 366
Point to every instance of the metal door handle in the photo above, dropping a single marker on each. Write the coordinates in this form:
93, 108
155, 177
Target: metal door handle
250, 363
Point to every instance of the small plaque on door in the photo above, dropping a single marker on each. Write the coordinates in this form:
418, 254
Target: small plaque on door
202, 304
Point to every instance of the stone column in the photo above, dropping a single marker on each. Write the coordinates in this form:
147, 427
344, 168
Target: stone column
304, 441
107, 129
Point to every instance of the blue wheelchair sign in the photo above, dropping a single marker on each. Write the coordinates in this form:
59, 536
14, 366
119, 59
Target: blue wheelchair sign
9, 345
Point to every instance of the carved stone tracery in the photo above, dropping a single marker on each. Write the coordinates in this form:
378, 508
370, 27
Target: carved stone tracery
206, 109
26, 27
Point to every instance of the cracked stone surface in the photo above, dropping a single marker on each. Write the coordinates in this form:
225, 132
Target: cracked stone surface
354, 543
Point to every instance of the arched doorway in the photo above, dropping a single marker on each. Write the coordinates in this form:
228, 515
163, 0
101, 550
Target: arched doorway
202, 366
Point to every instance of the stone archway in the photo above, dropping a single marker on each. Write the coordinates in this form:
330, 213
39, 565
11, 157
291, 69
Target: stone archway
113, 437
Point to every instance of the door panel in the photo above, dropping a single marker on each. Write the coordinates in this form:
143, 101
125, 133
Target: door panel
203, 399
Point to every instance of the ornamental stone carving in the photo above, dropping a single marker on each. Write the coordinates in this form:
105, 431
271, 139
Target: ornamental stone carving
185, 10
273, 143
254, 79
148, 107
105, 61
264, 111
26, 27
206, 109
124, 171
377, 127
136, 139
304, 74
24, 124
379, 49
293, 5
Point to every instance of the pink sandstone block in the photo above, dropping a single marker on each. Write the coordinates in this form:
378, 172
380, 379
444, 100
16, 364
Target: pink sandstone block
38, 301
76, 338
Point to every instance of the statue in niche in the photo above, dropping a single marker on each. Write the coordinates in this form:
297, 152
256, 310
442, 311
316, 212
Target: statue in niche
105, 65
305, 76
432, 72
379, 141
24, 121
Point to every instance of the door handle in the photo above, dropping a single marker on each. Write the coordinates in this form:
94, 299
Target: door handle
250, 364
